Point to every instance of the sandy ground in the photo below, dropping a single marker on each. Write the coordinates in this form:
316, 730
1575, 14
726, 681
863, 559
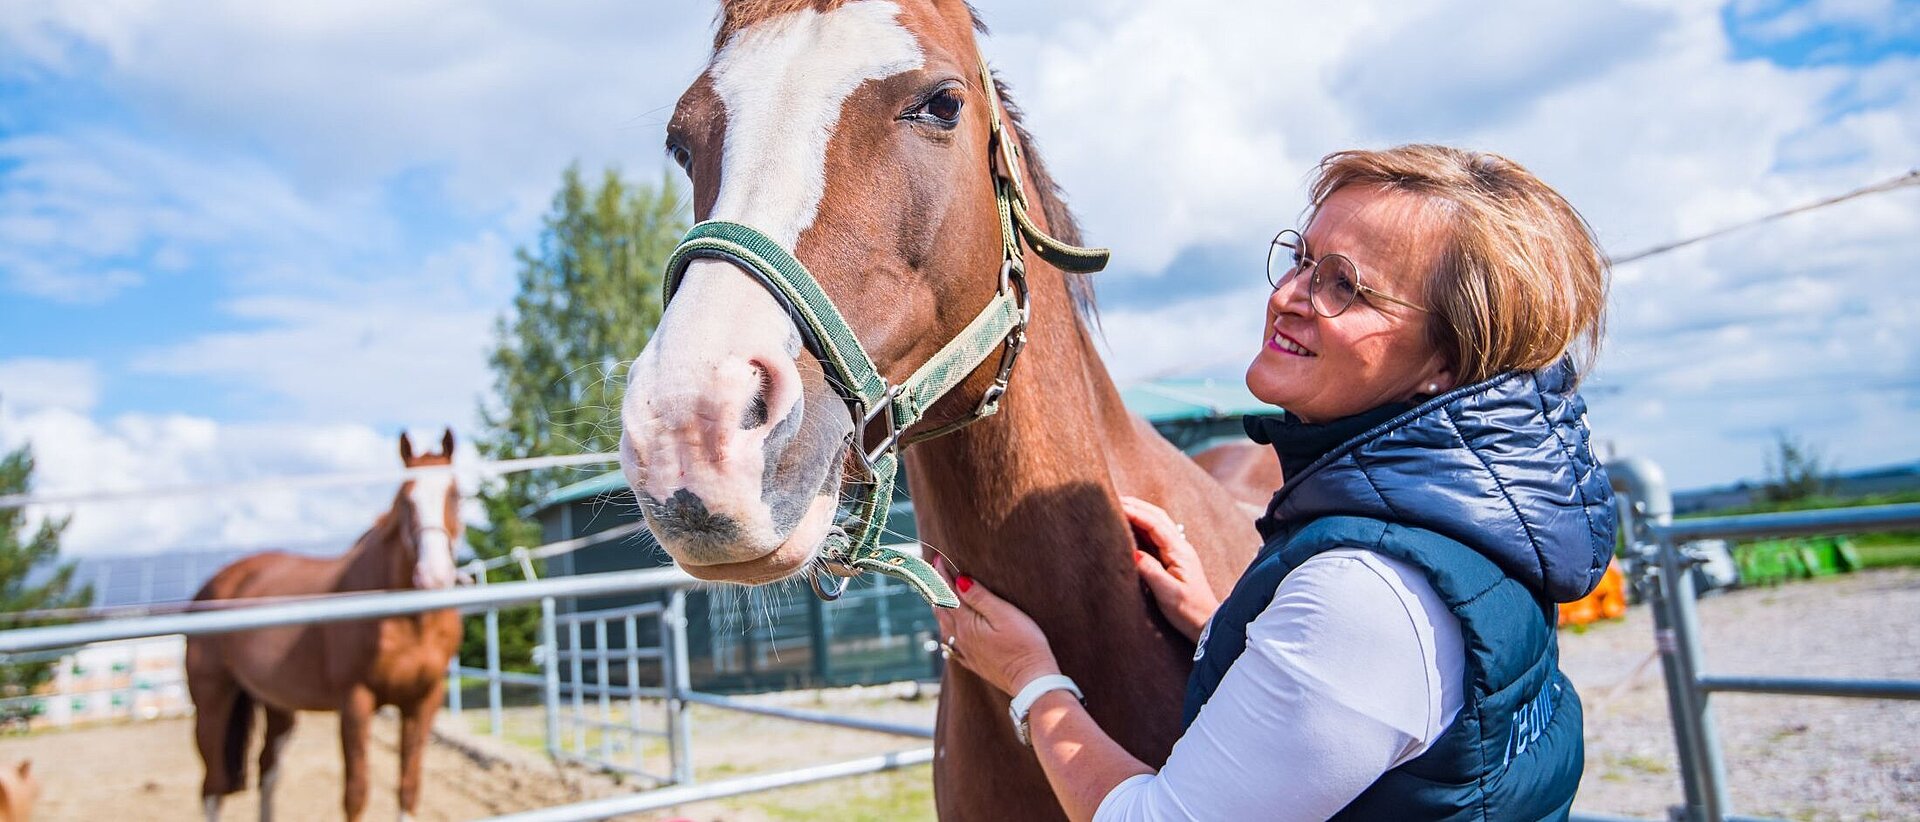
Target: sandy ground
1792, 757
1800, 758
150, 771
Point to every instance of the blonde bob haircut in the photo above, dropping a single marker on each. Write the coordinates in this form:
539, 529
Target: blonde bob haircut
1522, 282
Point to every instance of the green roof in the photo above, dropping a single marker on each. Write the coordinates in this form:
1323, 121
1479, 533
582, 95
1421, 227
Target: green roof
1192, 399
1160, 401
607, 483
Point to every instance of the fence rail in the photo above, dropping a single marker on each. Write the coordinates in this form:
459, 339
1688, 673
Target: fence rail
1664, 573
344, 609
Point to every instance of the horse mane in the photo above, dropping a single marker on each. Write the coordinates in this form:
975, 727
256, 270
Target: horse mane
735, 15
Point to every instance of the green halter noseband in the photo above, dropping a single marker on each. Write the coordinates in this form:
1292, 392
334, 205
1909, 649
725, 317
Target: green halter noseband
853, 546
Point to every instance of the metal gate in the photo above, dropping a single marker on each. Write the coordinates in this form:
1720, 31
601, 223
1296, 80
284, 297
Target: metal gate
612, 702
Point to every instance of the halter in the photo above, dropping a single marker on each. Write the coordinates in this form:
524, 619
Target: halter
853, 545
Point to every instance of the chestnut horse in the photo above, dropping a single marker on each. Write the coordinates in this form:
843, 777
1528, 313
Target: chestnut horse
856, 135
349, 667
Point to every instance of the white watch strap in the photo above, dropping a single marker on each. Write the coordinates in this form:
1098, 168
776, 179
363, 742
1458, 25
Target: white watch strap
1023, 701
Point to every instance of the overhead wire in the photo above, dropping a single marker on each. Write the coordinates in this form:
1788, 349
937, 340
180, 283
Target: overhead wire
490, 468
1902, 181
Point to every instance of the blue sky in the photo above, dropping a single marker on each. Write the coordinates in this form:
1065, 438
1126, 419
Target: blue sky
246, 239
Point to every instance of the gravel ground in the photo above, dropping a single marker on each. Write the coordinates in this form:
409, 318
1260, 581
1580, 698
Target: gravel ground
1793, 757
1800, 758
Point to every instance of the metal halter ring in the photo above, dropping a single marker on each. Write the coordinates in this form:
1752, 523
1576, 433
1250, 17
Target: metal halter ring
827, 592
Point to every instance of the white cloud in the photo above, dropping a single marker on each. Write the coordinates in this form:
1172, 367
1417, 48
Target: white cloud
383, 356
31, 383
74, 453
500, 95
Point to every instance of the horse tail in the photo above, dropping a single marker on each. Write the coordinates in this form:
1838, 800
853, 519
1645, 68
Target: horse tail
239, 728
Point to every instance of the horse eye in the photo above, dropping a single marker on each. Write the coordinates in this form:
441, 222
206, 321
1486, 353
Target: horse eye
945, 105
681, 156
942, 109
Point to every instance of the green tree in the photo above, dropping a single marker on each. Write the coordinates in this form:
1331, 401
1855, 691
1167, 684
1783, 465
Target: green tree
589, 298
32, 577
1796, 470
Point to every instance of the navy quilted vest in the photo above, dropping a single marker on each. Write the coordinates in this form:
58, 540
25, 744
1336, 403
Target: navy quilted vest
1493, 491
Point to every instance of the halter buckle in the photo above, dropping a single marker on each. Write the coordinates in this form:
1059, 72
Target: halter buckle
883, 408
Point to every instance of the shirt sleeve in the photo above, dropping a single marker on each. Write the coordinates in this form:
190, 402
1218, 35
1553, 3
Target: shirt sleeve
1345, 676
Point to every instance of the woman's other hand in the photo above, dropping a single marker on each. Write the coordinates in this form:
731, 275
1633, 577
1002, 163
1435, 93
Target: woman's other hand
993, 638
1176, 579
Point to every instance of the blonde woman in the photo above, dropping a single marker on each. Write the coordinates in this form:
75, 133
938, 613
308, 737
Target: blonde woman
1390, 653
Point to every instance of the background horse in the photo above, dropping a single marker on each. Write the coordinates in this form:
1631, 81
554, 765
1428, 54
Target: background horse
349, 667
857, 136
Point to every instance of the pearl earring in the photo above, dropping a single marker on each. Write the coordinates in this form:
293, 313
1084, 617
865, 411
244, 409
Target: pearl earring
1433, 388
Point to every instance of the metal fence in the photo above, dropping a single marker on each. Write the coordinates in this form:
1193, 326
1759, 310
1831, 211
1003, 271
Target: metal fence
1663, 575
597, 665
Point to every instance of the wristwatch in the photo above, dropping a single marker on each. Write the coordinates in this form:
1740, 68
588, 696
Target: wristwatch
1023, 701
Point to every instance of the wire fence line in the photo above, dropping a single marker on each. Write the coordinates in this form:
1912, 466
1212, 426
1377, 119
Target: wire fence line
492, 468
1908, 179
476, 569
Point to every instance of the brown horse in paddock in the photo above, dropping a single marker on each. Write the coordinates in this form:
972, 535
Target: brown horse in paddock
349, 667
857, 136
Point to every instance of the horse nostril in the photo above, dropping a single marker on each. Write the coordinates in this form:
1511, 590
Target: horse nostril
756, 413
685, 514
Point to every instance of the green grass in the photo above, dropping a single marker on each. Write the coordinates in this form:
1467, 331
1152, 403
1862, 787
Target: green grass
905, 795
1902, 554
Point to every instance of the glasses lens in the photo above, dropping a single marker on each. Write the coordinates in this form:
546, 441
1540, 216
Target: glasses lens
1283, 257
1335, 285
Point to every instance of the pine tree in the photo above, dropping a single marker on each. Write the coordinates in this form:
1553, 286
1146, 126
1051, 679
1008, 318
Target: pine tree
32, 577
589, 298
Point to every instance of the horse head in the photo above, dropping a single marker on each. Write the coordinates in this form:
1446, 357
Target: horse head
860, 138
428, 509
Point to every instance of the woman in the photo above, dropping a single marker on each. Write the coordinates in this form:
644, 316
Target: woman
1390, 652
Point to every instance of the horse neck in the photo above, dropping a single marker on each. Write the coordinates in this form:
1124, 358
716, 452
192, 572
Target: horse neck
1026, 500
378, 561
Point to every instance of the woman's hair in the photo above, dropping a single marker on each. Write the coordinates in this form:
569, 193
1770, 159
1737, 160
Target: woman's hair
1522, 281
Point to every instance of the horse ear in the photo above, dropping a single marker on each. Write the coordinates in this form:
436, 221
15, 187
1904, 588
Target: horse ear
446, 443
406, 449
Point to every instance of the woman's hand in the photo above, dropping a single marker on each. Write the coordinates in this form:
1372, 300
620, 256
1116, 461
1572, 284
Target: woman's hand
1176, 579
994, 639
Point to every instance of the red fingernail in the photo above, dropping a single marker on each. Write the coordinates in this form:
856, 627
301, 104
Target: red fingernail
964, 583
1138, 554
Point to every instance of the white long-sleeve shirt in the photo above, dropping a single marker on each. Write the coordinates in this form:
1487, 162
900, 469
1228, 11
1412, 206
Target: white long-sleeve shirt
1355, 668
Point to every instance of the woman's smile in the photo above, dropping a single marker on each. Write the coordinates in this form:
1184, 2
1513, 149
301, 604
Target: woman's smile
1287, 345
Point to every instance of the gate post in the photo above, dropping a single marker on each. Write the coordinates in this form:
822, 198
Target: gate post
1668, 582
453, 685
679, 681
550, 665
494, 718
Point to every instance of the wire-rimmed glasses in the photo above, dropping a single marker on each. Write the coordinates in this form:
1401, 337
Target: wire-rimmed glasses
1335, 283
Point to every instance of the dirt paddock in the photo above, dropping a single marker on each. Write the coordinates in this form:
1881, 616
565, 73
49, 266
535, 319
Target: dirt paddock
1799, 758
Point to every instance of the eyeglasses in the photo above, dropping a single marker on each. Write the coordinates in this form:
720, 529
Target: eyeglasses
1336, 280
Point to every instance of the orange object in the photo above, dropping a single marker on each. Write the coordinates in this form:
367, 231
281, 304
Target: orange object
1608, 600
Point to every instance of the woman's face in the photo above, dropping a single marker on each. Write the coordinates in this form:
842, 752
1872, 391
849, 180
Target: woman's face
1320, 368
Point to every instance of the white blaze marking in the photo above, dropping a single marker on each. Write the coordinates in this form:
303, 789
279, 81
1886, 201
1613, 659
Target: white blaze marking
783, 82
433, 568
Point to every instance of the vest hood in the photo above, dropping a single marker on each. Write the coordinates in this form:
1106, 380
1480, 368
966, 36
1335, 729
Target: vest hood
1505, 467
